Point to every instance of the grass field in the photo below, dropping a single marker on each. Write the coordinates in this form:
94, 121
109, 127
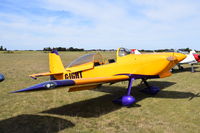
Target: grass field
175, 109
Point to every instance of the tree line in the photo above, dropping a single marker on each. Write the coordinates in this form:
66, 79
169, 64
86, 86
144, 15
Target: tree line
2, 48
63, 49
81, 49
168, 50
142, 50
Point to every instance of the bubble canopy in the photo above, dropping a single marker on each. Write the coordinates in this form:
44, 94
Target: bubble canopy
123, 52
88, 58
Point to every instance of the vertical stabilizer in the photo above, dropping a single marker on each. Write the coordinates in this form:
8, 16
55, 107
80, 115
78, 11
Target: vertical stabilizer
192, 51
135, 51
55, 63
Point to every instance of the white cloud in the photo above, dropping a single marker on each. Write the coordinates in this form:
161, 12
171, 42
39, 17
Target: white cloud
143, 24
169, 10
97, 10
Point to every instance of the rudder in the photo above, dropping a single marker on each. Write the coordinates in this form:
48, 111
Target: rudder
55, 64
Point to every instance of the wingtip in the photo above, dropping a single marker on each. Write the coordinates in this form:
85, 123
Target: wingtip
47, 85
33, 77
32, 88
14, 91
23, 90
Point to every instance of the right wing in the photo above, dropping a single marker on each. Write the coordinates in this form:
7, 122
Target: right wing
79, 84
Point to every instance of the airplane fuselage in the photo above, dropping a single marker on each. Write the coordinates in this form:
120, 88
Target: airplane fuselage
143, 64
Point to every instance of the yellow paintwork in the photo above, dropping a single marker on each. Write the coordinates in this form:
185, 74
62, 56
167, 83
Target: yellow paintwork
155, 64
105, 79
144, 64
55, 63
72, 89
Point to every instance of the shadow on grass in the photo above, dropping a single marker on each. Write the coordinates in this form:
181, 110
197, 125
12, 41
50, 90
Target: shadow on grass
94, 107
98, 106
163, 94
34, 124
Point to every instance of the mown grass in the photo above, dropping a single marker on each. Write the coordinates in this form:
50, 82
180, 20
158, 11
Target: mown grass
175, 109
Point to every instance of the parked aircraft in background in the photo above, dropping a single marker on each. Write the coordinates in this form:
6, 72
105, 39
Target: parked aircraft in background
191, 58
90, 71
135, 51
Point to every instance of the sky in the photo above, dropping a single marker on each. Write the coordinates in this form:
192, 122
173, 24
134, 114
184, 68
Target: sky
104, 24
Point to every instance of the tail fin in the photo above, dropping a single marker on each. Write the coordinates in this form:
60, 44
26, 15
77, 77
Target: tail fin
56, 68
55, 63
135, 51
192, 51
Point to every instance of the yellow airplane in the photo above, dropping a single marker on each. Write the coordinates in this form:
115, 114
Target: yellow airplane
90, 71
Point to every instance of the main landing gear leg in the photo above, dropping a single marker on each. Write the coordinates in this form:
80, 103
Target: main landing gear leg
180, 67
126, 100
150, 89
192, 68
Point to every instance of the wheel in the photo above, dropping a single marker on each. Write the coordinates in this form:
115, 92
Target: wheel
1, 77
126, 100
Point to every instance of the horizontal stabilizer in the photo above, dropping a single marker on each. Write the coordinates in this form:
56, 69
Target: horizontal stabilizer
34, 76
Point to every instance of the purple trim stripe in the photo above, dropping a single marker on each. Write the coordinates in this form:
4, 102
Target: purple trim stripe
138, 76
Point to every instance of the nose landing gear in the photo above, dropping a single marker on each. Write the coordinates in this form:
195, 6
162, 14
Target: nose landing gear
126, 100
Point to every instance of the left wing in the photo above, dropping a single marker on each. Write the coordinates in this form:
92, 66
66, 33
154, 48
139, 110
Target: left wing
75, 83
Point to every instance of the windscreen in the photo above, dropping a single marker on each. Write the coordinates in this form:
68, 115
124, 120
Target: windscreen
123, 52
82, 60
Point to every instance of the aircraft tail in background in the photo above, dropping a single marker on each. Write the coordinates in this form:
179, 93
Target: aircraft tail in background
135, 51
192, 52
